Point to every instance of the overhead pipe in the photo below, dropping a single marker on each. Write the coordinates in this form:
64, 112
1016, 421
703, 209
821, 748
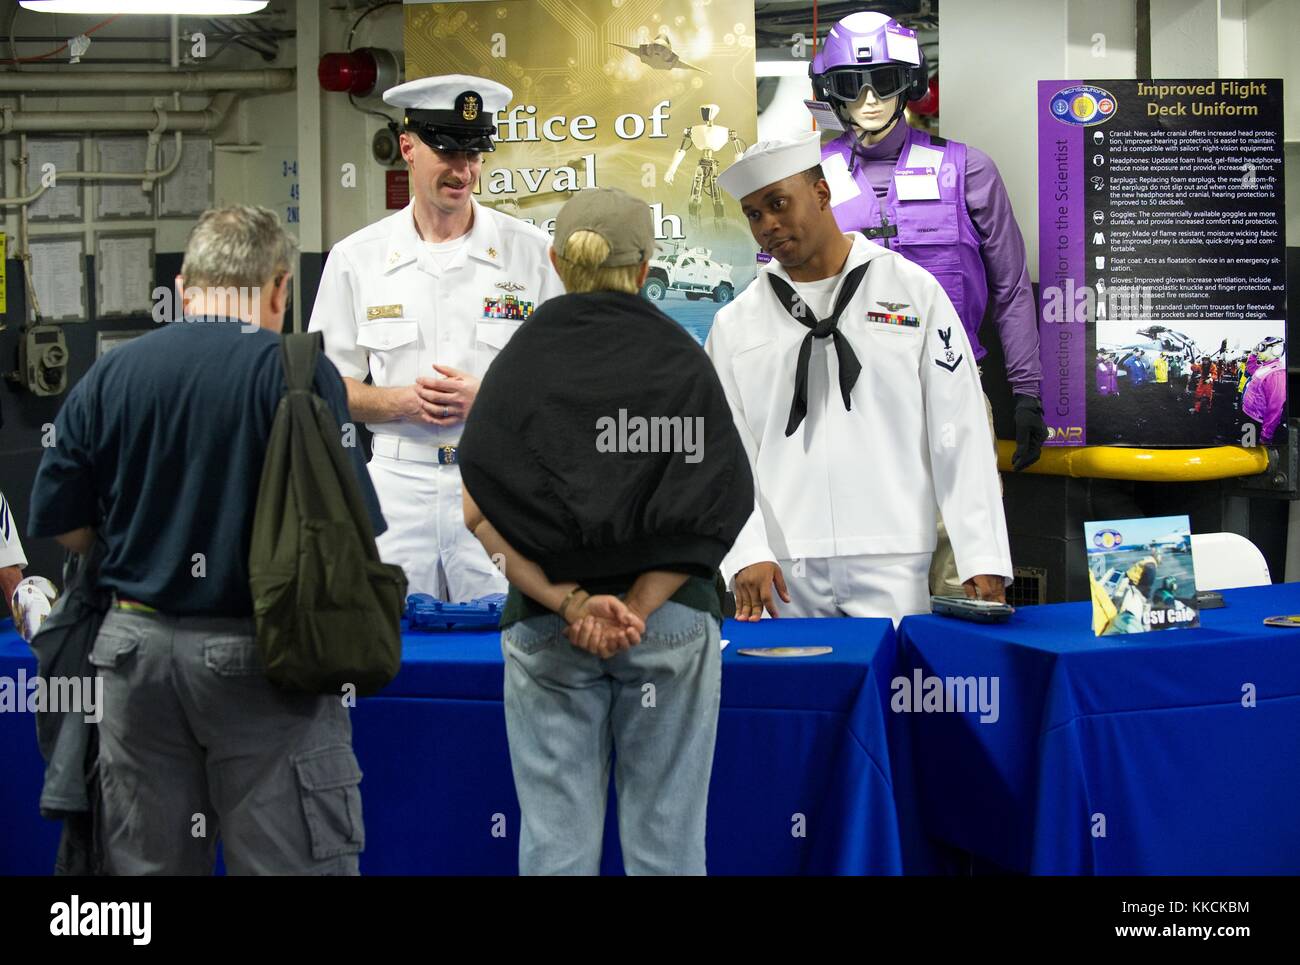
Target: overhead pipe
91, 121
156, 119
151, 81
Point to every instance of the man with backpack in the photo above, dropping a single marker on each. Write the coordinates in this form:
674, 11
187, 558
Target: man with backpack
159, 450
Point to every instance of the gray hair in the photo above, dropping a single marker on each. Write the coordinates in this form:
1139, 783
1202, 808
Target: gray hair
237, 246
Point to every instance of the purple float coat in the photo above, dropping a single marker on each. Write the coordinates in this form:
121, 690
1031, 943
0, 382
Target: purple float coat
1107, 378
1266, 397
968, 238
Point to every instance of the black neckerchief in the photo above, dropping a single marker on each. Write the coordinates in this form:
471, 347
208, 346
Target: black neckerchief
850, 367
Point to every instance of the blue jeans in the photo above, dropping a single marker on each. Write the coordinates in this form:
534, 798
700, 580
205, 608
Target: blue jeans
655, 706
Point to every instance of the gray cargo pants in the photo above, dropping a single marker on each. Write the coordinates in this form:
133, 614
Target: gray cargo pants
196, 744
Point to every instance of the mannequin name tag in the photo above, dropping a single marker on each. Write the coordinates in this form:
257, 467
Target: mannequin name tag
824, 116
916, 184
901, 45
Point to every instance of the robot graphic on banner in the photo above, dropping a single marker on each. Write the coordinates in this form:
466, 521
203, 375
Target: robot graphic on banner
939, 203
707, 138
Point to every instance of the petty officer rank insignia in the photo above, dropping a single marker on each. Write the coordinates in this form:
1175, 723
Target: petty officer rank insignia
467, 105
947, 362
893, 318
508, 307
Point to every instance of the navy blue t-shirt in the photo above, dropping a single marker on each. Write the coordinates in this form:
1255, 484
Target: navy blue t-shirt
160, 448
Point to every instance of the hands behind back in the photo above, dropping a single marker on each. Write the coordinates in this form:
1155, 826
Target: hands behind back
604, 625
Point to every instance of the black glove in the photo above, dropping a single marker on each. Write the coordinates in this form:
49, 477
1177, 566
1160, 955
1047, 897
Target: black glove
1031, 432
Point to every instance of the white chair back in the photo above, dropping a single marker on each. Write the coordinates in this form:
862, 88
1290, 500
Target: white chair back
1225, 560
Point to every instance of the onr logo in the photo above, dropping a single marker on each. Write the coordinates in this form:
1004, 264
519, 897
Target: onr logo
1060, 433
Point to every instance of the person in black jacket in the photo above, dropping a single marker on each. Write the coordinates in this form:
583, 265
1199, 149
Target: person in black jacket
603, 471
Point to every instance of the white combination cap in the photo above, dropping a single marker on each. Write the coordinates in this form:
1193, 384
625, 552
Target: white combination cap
454, 112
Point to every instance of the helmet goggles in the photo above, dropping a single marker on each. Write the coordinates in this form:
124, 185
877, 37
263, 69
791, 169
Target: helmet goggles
885, 80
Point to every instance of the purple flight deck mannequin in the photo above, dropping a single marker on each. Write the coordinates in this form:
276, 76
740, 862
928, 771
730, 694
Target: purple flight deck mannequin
953, 218
967, 238
1265, 395
1107, 377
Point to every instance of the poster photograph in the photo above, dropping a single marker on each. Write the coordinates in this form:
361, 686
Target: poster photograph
1174, 380
1141, 575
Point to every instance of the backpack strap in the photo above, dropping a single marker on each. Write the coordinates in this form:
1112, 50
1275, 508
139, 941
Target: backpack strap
299, 353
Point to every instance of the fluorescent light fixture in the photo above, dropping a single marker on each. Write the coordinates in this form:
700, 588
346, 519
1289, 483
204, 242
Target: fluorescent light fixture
187, 8
781, 68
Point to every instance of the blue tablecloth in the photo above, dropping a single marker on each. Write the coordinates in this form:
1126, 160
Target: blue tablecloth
801, 736
1145, 738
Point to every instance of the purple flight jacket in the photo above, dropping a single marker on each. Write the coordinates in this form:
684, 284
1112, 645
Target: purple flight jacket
967, 238
1265, 397
1107, 379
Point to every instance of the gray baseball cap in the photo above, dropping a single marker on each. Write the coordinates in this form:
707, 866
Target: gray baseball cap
624, 221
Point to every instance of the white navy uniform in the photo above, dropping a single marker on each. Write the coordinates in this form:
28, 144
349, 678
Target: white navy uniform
11, 547
391, 307
847, 504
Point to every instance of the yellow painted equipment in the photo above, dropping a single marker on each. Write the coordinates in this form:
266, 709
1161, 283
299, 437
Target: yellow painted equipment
1143, 465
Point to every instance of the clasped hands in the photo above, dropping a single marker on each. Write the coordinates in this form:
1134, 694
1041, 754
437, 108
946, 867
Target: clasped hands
441, 402
603, 624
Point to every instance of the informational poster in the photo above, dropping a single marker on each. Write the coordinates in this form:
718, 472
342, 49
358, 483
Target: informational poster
123, 274
1162, 262
1141, 575
105, 342
46, 157
59, 277
187, 191
656, 99
123, 199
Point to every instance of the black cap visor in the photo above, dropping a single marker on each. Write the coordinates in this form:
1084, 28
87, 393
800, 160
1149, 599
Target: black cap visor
445, 139
449, 131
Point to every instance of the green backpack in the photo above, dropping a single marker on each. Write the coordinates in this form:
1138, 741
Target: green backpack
328, 612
